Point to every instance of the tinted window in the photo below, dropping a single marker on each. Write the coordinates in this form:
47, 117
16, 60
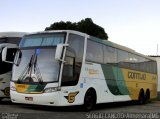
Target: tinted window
73, 58
42, 40
94, 52
14, 40
76, 42
133, 61
122, 58
151, 66
110, 54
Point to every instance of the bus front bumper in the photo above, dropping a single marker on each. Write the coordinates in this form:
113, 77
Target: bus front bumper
50, 99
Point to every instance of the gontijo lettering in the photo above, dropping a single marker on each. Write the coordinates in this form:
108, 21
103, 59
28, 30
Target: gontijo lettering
134, 75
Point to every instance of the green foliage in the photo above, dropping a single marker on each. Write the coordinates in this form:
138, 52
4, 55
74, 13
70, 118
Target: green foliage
85, 26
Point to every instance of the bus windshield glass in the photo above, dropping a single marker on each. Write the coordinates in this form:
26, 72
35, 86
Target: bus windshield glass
42, 40
37, 62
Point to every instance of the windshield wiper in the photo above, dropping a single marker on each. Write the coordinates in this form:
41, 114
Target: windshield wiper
31, 72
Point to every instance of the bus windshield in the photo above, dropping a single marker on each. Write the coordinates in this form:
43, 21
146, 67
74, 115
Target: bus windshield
37, 65
42, 40
37, 62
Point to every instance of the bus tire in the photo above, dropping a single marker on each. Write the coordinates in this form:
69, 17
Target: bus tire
89, 100
147, 96
141, 98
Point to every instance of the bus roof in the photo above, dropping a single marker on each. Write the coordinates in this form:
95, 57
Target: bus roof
103, 41
12, 34
58, 31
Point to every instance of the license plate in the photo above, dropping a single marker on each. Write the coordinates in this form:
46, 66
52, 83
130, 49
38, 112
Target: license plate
29, 98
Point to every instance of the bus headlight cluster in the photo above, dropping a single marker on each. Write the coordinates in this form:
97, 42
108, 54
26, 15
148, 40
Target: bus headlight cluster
12, 88
51, 89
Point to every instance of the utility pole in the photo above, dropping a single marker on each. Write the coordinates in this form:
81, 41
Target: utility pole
157, 49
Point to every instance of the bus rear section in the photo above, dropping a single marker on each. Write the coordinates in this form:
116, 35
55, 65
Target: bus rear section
11, 40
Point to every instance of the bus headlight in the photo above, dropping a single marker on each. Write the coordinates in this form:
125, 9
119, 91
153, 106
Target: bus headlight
51, 89
12, 88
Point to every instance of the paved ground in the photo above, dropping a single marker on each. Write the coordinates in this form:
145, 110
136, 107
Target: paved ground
9, 110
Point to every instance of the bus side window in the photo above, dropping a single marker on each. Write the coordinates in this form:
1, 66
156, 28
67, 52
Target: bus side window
68, 68
69, 76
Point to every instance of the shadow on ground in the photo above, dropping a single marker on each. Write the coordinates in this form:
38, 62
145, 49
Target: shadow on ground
45, 109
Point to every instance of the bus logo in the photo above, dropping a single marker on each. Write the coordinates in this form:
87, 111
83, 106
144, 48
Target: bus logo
71, 96
133, 75
7, 91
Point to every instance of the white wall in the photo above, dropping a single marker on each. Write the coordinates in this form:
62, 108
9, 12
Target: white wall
158, 70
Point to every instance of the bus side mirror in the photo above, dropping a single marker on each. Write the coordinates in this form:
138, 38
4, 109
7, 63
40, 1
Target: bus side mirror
8, 54
59, 50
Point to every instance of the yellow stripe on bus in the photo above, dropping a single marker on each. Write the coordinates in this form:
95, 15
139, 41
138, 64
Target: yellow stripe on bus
136, 80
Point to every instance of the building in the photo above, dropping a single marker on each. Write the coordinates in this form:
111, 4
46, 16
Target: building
158, 72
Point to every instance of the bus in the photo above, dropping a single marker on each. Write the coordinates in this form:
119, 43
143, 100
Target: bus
66, 67
7, 39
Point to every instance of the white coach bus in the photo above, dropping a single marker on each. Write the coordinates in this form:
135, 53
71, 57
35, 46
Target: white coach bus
64, 67
7, 39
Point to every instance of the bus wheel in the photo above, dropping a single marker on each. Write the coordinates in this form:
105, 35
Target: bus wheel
89, 100
147, 96
141, 98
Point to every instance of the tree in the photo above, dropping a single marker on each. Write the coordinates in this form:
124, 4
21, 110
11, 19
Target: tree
86, 26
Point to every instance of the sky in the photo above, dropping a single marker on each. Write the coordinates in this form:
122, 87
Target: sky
131, 23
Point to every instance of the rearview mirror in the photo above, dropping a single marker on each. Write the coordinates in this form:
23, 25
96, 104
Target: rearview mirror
59, 50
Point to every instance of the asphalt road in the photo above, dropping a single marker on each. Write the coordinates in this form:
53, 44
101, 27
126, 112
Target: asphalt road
10, 110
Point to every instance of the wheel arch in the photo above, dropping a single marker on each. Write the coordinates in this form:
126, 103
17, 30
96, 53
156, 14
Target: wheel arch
93, 90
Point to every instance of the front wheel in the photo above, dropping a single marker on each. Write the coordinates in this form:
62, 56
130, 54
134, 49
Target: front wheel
89, 101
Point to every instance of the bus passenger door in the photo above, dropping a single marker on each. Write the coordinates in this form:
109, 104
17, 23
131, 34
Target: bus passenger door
69, 77
72, 68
